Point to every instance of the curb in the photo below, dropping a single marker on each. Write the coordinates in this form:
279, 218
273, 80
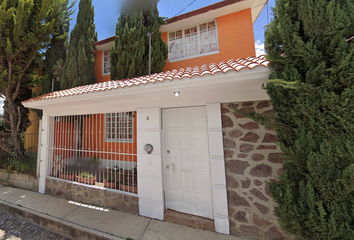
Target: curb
55, 225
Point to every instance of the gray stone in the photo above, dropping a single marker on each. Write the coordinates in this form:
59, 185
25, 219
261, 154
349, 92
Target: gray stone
226, 121
242, 155
246, 183
224, 110
252, 231
228, 153
274, 234
257, 183
240, 216
262, 208
261, 147
250, 137
247, 104
236, 200
229, 143
275, 157
259, 194
237, 166
231, 182
269, 138
246, 148
235, 133
249, 126
260, 222
261, 170
257, 157
263, 104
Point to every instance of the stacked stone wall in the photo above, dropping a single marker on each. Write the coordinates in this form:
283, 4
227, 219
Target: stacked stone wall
252, 158
19, 180
92, 195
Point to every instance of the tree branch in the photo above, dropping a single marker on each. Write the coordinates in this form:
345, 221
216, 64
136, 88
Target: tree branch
19, 119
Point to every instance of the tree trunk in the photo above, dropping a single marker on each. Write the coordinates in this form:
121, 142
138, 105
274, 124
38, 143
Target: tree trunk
15, 118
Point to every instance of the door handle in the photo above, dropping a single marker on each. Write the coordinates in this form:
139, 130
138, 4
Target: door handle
168, 166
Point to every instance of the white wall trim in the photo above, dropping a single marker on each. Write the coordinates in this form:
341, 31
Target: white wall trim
44, 154
150, 181
218, 176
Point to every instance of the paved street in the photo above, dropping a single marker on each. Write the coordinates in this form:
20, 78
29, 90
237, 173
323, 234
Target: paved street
12, 228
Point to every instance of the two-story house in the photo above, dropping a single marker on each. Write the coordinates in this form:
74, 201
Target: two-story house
172, 140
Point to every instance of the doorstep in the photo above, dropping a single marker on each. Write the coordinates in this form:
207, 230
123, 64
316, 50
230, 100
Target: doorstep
189, 220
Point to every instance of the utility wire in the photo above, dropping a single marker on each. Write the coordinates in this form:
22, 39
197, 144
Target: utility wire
184, 8
175, 15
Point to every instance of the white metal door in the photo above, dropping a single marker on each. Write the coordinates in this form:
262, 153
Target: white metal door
187, 172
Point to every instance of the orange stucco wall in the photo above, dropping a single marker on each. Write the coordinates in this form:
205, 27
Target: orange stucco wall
98, 68
236, 40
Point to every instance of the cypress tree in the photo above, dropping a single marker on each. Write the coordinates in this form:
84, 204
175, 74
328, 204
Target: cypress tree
25, 30
79, 67
56, 52
312, 91
130, 55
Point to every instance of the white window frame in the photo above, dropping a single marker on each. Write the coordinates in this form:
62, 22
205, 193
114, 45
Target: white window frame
199, 42
103, 61
130, 119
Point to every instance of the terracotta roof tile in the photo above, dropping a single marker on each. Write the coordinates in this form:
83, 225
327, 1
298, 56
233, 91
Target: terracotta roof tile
189, 72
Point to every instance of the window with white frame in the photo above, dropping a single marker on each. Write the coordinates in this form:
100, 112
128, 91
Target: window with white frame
106, 62
119, 127
193, 41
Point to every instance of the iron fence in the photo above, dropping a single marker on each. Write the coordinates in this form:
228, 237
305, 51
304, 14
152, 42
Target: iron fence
24, 163
95, 149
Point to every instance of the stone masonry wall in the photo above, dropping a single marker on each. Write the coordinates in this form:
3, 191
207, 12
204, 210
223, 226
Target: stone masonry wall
19, 180
251, 158
91, 195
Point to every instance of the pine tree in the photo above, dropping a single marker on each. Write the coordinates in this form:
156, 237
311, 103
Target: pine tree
25, 30
56, 52
130, 55
312, 91
79, 67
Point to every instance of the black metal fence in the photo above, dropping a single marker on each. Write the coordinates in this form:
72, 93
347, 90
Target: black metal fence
27, 163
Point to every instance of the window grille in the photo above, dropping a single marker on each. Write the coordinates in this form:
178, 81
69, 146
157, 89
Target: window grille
80, 152
119, 127
106, 62
193, 41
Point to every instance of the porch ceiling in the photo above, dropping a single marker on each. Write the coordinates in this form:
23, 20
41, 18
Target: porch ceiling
235, 81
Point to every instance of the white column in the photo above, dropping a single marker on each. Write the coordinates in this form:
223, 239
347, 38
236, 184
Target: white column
150, 184
44, 155
218, 178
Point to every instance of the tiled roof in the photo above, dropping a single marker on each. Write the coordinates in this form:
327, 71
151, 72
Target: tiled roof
107, 40
211, 69
202, 10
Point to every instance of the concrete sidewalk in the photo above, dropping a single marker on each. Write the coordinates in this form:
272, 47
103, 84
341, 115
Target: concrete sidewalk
81, 221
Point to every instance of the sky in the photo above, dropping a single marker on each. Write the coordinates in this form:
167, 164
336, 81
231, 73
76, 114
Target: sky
107, 12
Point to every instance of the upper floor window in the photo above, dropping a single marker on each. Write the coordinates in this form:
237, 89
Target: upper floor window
106, 62
196, 40
119, 127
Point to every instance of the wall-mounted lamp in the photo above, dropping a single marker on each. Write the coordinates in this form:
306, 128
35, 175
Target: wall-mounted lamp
177, 94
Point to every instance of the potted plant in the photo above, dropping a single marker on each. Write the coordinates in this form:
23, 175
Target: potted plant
109, 183
129, 183
67, 175
86, 178
129, 188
